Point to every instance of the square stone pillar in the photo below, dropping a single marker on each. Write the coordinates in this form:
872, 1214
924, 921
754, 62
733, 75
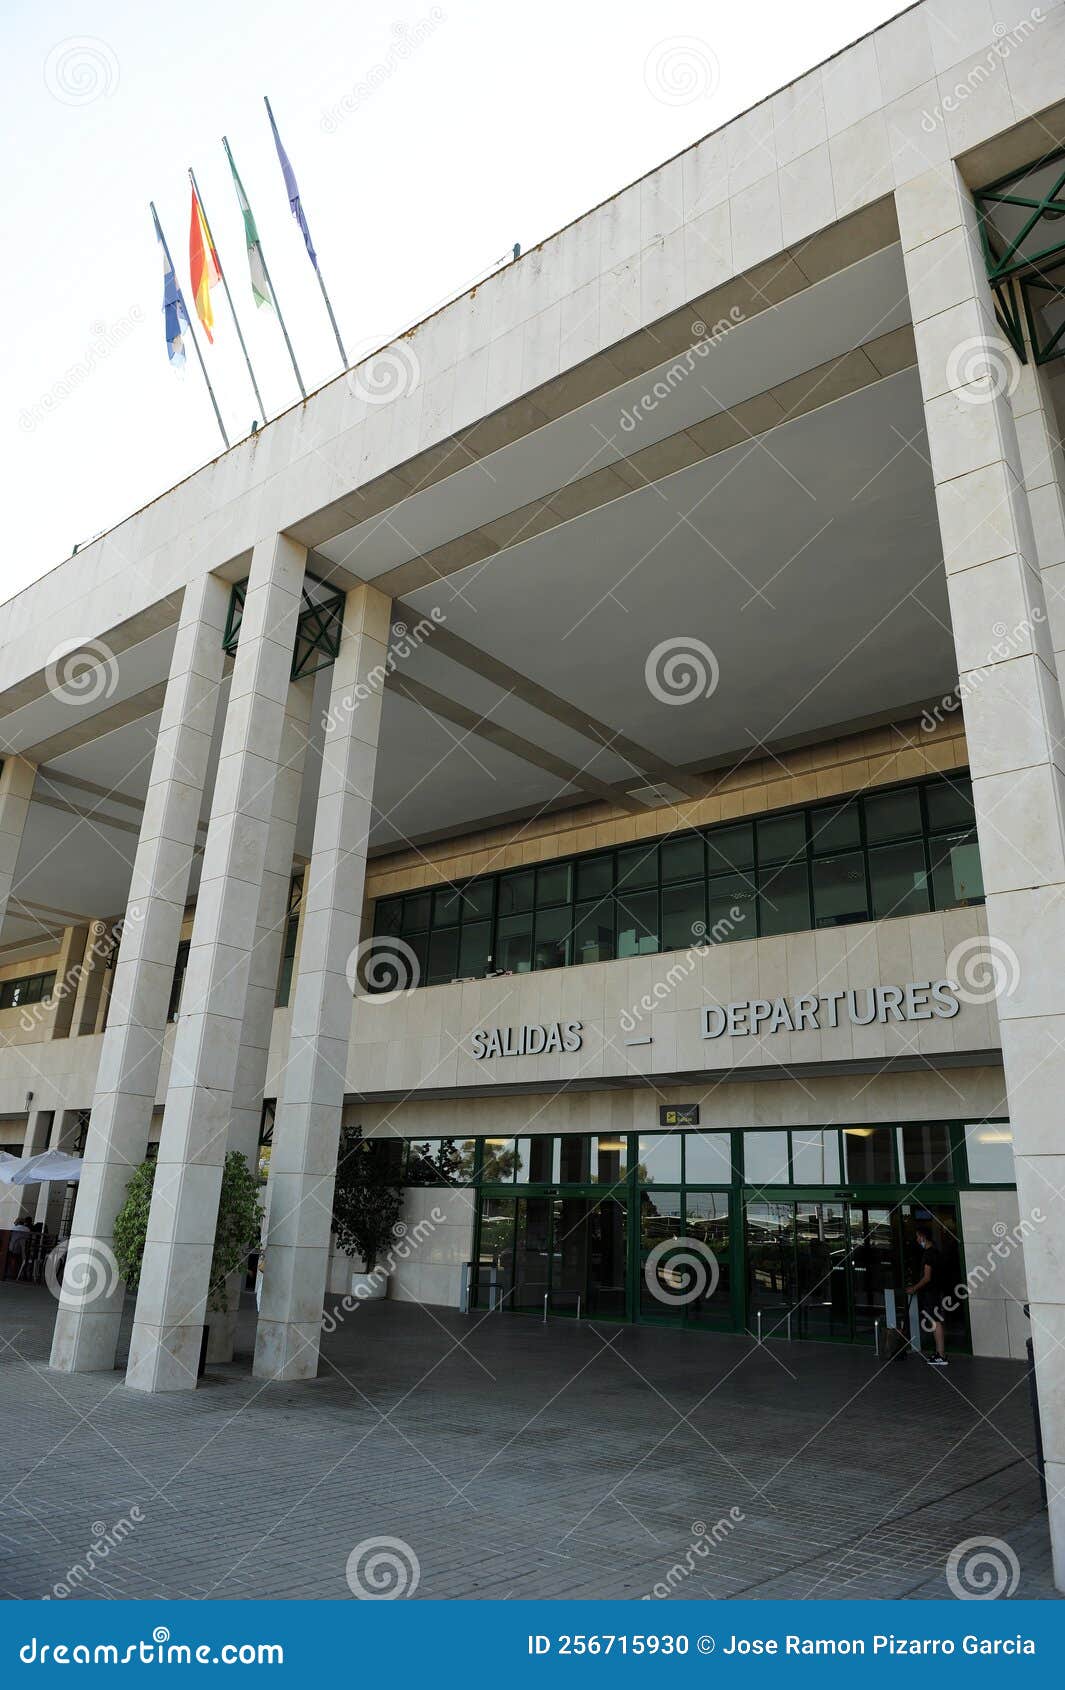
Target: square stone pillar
90, 1307
1015, 729
16, 787
176, 1271
66, 1130
307, 1128
245, 1116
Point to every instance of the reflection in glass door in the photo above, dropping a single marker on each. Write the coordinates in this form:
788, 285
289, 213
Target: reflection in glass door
532, 1261
822, 1306
770, 1238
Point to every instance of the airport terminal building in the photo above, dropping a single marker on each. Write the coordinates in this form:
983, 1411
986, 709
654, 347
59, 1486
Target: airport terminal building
609, 746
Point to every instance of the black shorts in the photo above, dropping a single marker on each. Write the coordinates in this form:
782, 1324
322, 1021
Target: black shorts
929, 1303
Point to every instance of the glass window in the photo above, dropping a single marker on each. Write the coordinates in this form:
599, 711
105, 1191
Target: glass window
659, 1159
839, 890
950, 803
554, 884
475, 949
706, 1218
536, 1160
514, 950
421, 1162
388, 916
609, 1158
730, 847
638, 866
500, 1160
815, 1156
447, 907
637, 924
925, 1147
554, 931
781, 837
576, 1159
595, 877
834, 829
867, 1151
683, 915
957, 877
765, 1158
593, 931
443, 957
708, 1158
989, 1152
892, 815
416, 912
728, 893
477, 899
516, 892
898, 879
784, 904
682, 859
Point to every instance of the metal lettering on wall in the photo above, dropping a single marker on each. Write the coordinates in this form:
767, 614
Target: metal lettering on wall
921, 1000
526, 1041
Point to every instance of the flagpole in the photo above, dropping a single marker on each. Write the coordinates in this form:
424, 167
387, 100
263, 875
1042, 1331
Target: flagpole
192, 333
229, 296
269, 278
317, 270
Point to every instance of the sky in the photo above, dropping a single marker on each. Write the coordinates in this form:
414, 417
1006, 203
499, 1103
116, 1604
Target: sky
426, 139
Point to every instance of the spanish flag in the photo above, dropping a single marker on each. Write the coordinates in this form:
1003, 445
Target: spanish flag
204, 268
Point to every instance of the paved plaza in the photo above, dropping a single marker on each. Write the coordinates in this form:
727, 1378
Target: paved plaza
514, 1460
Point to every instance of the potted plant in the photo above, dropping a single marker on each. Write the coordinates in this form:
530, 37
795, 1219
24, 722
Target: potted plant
366, 1207
237, 1230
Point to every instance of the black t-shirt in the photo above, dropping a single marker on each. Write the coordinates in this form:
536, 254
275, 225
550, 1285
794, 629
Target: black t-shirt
933, 1259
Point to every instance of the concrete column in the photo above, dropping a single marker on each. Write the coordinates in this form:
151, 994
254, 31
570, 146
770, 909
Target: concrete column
66, 1128
69, 973
88, 1004
1043, 471
16, 786
1015, 728
175, 1275
86, 1329
307, 1129
38, 1131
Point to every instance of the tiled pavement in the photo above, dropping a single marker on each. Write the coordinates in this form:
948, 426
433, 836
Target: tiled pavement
516, 1460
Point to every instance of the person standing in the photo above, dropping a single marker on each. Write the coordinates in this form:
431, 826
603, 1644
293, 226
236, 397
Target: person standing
930, 1288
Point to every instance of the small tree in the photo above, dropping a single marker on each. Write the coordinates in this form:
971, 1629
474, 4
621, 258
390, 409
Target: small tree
237, 1231
366, 1202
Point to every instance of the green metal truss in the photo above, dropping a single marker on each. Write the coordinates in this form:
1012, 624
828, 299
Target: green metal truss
318, 628
1022, 232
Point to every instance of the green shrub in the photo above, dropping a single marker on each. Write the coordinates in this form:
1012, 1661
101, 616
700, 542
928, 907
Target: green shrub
238, 1229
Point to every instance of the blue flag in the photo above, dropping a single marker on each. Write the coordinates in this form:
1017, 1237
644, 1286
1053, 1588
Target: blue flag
175, 316
292, 189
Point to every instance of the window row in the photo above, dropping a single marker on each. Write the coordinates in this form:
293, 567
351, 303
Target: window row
898, 852
31, 988
915, 1152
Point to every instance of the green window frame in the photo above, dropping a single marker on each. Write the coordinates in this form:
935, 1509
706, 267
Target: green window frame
28, 988
894, 850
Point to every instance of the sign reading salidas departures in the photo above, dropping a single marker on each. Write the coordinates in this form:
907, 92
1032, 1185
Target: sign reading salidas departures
921, 1000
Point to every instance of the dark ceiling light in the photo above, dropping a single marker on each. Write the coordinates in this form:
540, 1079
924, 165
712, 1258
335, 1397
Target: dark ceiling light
1021, 229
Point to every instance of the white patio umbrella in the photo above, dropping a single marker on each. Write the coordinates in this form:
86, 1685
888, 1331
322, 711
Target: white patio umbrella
45, 1168
9, 1167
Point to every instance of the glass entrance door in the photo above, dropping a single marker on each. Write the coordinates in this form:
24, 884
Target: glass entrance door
589, 1254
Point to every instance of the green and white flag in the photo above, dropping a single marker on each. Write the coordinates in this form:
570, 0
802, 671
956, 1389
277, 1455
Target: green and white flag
260, 285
